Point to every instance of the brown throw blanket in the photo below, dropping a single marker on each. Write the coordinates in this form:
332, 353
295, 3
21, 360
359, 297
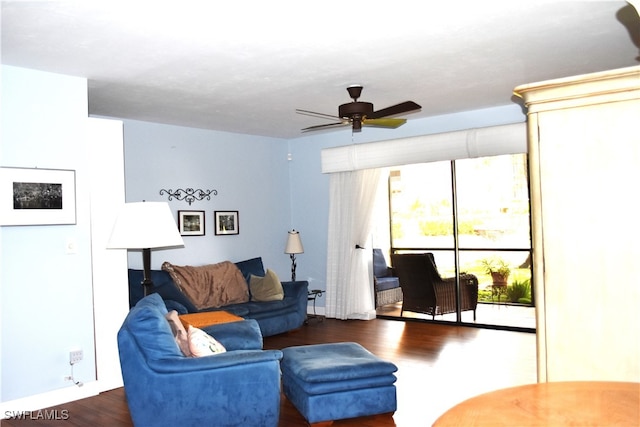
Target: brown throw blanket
212, 285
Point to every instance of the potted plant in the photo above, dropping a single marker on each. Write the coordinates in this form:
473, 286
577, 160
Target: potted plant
498, 269
520, 291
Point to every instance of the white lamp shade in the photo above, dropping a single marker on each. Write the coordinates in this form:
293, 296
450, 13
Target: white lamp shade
145, 225
294, 244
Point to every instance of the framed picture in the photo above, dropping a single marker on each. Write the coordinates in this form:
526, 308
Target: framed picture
37, 196
191, 223
226, 222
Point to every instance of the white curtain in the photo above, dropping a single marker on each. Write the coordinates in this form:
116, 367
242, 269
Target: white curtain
353, 183
349, 270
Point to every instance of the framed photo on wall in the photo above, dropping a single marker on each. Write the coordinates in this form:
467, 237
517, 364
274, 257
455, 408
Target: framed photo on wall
226, 222
37, 196
191, 223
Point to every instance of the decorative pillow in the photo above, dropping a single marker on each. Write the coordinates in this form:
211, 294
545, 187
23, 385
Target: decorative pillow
267, 288
202, 344
179, 333
251, 266
148, 325
210, 286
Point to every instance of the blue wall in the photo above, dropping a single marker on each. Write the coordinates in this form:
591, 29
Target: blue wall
46, 294
253, 176
250, 174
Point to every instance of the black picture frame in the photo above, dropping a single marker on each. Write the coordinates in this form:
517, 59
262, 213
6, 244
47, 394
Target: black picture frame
226, 222
191, 223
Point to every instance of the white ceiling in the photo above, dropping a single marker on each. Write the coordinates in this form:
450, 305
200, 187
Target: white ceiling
245, 66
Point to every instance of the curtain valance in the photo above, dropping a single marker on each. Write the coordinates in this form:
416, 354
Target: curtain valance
479, 142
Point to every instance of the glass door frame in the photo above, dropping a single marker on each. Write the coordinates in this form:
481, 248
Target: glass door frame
457, 250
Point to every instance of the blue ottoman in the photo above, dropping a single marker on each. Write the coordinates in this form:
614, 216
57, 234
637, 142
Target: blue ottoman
327, 382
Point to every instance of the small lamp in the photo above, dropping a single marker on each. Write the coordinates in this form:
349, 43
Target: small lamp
294, 246
146, 226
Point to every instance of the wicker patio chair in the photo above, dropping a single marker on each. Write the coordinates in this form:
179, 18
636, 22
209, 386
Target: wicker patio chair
424, 291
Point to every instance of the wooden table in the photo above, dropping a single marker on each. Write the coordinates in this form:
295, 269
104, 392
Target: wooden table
583, 403
207, 318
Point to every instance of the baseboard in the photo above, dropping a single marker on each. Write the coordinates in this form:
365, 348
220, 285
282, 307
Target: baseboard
18, 407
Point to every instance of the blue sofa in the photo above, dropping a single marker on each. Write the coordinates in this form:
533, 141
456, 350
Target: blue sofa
164, 388
274, 317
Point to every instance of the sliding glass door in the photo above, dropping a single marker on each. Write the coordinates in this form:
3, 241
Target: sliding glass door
473, 216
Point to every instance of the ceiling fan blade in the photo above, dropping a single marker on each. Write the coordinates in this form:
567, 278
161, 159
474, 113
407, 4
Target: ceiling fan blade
401, 108
314, 114
384, 123
327, 126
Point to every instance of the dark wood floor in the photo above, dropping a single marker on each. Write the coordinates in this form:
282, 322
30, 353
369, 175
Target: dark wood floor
438, 367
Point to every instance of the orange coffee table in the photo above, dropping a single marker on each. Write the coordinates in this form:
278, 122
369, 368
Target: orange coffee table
579, 403
207, 318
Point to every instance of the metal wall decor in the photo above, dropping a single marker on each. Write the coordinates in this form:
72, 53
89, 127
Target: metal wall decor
189, 195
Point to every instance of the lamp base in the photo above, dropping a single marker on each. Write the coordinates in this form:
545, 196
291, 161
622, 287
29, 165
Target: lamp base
147, 284
293, 267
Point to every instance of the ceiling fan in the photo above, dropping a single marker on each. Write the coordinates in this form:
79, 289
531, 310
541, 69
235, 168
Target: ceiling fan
360, 114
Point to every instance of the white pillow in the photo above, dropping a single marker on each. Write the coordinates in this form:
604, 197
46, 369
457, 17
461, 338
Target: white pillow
179, 333
202, 344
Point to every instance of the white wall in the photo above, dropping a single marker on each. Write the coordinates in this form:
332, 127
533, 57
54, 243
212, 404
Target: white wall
110, 281
47, 306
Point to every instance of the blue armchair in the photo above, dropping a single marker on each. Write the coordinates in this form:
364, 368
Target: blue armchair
164, 388
386, 284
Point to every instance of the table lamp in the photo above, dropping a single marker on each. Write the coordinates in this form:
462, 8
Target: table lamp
146, 226
294, 246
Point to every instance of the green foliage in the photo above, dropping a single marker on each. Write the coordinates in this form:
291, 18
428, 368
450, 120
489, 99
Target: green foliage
396, 230
467, 227
496, 265
444, 228
436, 228
417, 208
519, 290
484, 295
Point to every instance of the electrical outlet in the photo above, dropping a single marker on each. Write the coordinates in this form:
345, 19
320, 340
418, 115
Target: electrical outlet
71, 246
75, 356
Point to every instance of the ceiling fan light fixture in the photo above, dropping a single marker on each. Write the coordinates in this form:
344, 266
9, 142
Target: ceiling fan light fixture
356, 124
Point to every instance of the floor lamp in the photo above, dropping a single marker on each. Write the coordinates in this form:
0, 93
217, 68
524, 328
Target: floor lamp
294, 246
145, 226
